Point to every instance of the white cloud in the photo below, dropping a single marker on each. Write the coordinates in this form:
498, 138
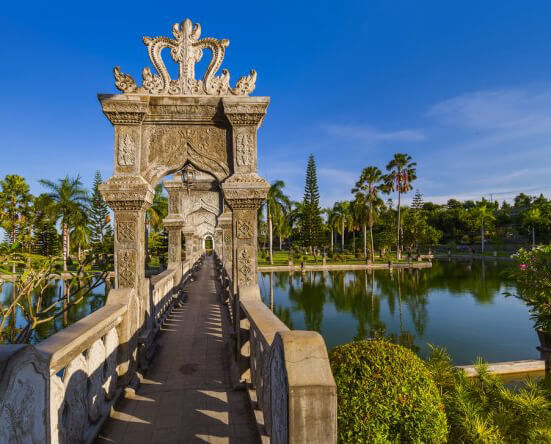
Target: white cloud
369, 134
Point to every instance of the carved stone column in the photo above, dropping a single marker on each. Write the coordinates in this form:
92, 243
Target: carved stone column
218, 241
244, 192
129, 197
174, 222
225, 222
188, 235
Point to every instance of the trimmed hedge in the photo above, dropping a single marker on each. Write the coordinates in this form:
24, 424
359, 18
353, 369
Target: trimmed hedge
385, 394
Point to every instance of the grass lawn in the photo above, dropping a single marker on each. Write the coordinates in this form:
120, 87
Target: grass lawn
282, 258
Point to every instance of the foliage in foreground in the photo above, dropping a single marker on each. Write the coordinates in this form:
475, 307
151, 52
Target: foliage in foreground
483, 410
385, 394
33, 304
533, 278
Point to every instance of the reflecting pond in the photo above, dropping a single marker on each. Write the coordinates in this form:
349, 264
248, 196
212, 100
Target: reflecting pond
54, 294
456, 304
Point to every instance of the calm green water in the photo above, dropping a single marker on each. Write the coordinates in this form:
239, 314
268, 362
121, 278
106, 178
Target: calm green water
54, 294
456, 304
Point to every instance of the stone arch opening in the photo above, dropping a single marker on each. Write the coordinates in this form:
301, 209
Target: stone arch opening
164, 124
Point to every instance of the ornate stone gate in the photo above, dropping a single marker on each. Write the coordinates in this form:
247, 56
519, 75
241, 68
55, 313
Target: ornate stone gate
166, 124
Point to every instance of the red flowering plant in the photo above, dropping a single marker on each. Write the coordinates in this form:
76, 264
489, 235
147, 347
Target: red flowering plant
533, 278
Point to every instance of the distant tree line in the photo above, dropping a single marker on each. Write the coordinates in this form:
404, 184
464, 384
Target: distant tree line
371, 222
65, 220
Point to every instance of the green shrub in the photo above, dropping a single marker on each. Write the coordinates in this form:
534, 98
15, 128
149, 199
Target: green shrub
385, 394
484, 410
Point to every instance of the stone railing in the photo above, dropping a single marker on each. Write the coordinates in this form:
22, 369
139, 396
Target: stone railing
62, 390
290, 382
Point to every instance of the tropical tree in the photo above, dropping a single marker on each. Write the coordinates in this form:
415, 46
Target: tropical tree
402, 172
311, 222
482, 215
69, 202
531, 218
15, 205
81, 233
342, 218
154, 220
367, 189
331, 224
158, 209
99, 217
46, 237
277, 204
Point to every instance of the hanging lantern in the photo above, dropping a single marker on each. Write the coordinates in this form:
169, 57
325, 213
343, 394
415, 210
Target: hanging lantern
188, 175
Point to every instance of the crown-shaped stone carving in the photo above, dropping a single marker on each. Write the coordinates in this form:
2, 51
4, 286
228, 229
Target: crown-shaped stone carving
186, 50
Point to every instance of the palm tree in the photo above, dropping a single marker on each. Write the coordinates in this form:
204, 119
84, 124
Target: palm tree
331, 223
80, 236
158, 209
367, 191
342, 218
276, 202
69, 200
482, 215
531, 218
15, 201
402, 172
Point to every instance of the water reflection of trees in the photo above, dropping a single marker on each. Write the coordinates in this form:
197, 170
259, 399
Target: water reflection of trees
362, 294
309, 298
54, 293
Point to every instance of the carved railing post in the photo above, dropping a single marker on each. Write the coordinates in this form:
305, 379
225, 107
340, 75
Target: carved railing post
24, 395
244, 192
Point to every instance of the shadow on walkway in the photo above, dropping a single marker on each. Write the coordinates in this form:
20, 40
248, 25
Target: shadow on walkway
186, 396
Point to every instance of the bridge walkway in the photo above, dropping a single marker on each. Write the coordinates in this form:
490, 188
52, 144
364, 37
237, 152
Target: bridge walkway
187, 396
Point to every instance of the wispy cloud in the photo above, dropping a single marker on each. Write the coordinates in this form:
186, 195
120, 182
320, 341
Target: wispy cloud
517, 111
367, 133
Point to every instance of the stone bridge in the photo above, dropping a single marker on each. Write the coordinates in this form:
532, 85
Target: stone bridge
191, 354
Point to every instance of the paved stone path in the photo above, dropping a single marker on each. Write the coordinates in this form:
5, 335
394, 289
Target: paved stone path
187, 396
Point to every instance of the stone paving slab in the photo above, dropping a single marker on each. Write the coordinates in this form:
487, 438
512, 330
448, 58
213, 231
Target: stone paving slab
187, 395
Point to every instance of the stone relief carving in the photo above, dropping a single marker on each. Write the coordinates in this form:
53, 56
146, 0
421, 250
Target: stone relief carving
127, 268
126, 231
171, 146
76, 405
127, 151
244, 149
95, 359
22, 404
110, 365
173, 206
245, 228
279, 393
245, 266
186, 49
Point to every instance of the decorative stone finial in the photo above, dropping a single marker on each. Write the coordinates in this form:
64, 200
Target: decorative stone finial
185, 49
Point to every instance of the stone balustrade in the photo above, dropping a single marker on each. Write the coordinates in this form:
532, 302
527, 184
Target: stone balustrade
289, 376
62, 389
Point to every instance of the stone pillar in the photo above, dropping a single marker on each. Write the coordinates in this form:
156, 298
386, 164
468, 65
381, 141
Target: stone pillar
174, 222
129, 197
128, 193
188, 235
244, 192
225, 222
218, 241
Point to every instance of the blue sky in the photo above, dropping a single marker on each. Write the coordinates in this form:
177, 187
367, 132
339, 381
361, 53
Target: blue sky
462, 86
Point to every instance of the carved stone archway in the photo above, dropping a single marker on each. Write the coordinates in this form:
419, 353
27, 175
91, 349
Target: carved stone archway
166, 123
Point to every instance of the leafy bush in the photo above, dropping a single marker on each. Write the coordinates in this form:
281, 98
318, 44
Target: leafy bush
484, 410
533, 279
385, 394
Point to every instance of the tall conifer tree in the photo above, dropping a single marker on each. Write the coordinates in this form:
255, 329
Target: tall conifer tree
100, 225
311, 222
